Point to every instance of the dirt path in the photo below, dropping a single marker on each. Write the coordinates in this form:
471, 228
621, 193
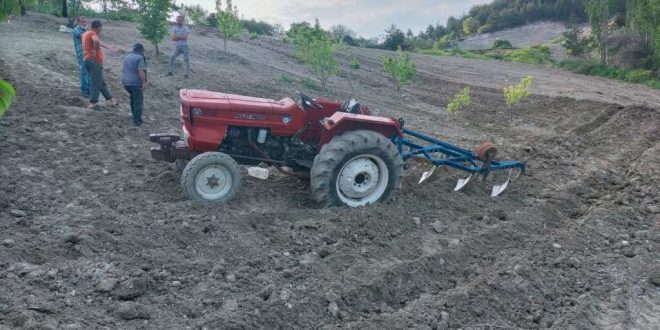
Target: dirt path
95, 234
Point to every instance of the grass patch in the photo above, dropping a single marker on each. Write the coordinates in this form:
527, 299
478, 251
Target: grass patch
591, 68
532, 55
286, 79
310, 84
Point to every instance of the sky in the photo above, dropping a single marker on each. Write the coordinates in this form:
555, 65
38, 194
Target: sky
368, 18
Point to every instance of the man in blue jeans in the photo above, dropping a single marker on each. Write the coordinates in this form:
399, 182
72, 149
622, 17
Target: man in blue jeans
134, 79
81, 27
180, 34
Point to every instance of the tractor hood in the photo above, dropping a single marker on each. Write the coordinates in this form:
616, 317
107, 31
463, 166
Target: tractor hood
209, 100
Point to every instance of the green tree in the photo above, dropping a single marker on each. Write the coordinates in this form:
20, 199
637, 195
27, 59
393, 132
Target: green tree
394, 38
575, 45
401, 69
643, 16
7, 94
153, 24
73, 9
229, 22
514, 94
303, 34
470, 26
320, 58
460, 102
195, 14
599, 18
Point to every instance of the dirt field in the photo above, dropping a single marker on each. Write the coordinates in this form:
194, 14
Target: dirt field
94, 234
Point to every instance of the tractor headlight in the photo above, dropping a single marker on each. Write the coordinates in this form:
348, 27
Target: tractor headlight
286, 119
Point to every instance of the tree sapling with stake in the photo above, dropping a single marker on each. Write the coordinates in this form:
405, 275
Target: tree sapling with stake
401, 69
515, 94
460, 102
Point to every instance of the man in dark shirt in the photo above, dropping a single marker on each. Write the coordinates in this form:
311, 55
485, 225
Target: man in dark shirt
134, 79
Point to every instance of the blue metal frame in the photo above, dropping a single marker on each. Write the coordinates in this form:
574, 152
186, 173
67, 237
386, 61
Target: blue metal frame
458, 158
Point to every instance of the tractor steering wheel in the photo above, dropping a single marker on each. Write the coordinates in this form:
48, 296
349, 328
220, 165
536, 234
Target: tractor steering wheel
308, 102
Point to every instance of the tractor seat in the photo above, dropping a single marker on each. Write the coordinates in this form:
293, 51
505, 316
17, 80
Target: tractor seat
285, 104
350, 106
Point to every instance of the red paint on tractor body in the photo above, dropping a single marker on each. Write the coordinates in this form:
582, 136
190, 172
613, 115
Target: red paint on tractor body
207, 115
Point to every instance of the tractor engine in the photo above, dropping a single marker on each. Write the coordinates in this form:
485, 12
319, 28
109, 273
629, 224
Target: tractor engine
255, 145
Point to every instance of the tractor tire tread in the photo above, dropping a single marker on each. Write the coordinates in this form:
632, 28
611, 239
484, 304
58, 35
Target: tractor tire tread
333, 153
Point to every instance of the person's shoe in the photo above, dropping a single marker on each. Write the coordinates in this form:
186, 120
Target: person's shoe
93, 106
138, 124
169, 74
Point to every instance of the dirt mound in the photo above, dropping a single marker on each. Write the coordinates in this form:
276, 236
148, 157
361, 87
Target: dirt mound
95, 234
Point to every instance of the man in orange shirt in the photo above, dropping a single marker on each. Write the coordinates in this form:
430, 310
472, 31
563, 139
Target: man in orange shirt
94, 65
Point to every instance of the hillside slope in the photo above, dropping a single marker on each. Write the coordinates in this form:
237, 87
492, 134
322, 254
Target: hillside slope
96, 235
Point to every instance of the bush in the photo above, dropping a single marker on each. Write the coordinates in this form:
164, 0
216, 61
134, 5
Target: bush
485, 28
441, 43
123, 14
532, 55
259, 27
574, 44
502, 44
639, 76
7, 94
355, 64
591, 68
253, 35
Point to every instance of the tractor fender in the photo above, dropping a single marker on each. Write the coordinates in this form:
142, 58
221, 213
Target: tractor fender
341, 122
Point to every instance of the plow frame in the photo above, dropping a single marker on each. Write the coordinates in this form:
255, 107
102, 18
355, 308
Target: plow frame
455, 157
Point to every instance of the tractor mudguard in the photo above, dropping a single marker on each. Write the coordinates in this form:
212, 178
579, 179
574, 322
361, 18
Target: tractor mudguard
341, 122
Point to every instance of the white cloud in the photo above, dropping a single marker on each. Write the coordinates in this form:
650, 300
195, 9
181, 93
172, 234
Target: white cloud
367, 17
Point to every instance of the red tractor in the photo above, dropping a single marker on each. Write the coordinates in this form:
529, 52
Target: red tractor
351, 157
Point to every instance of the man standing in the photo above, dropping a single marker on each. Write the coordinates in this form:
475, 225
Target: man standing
180, 37
81, 27
94, 65
134, 79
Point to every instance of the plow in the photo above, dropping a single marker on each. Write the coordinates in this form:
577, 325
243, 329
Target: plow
350, 156
440, 153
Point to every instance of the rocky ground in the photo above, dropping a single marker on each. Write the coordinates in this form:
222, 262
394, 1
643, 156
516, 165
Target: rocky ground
96, 235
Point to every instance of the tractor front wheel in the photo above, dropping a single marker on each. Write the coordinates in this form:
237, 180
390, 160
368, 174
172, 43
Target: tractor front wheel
211, 177
355, 169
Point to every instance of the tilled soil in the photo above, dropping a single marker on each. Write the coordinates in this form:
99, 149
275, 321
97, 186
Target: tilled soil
95, 234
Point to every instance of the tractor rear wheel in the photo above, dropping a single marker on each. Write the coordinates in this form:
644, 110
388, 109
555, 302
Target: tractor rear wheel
355, 169
211, 177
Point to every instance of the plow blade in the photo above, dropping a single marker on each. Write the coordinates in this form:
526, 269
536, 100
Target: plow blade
500, 188
462, 183
427, 174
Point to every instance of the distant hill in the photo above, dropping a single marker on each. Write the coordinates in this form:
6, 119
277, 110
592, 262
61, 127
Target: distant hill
526, 35
505, 14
